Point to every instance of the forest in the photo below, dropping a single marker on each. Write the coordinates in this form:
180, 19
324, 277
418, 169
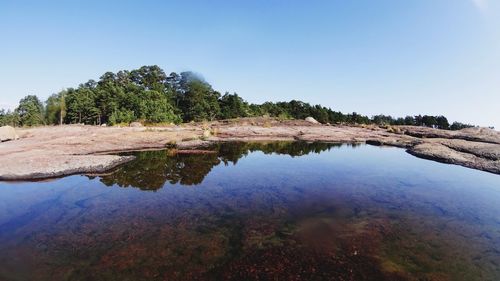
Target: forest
150, 96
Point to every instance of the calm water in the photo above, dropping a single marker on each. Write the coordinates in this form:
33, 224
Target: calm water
277, 211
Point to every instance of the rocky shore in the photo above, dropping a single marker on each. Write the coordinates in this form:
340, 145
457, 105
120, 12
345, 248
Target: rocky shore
46, 152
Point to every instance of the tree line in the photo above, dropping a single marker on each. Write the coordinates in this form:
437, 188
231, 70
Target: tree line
149, 95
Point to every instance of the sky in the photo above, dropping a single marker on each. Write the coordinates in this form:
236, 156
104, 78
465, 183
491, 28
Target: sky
387, 56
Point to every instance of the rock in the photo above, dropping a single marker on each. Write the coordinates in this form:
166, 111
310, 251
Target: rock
206, 134
8, 133
193, 144
52, 151
469, 134
312, 120
136, 124
443, 153
394, 130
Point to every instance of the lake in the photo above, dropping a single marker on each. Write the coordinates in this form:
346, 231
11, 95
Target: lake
256, 211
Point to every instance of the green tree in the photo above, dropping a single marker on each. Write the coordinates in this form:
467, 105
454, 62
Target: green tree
3, 117
442, 123
233, 106
199, 102
81, 106
30, 111
419, 120
336, 117
121, 115
9, 118
356, 118
409, 120
460, 126
297, 109
149, 77
155, 107
320, 114
429, 121
109, 97
55, 108
383, 119
399, 121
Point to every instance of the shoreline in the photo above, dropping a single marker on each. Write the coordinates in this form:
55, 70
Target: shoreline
57, 151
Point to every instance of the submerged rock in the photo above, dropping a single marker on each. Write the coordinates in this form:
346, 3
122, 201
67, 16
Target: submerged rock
8, 133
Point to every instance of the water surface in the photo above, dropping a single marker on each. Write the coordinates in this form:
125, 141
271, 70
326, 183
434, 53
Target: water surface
258, 211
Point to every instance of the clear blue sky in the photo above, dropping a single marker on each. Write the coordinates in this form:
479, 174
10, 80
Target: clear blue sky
394, 57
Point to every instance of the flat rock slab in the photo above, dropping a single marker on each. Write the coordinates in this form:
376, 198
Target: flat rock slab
468, 134
445, 154
45, 152
489, 151
41, 167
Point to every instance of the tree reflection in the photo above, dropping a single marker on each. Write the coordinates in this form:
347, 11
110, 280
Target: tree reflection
152, 169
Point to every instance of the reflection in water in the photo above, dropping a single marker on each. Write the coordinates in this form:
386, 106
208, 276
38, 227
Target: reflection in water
368, 213
152, 169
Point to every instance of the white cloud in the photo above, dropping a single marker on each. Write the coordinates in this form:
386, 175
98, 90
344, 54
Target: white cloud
482, 5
